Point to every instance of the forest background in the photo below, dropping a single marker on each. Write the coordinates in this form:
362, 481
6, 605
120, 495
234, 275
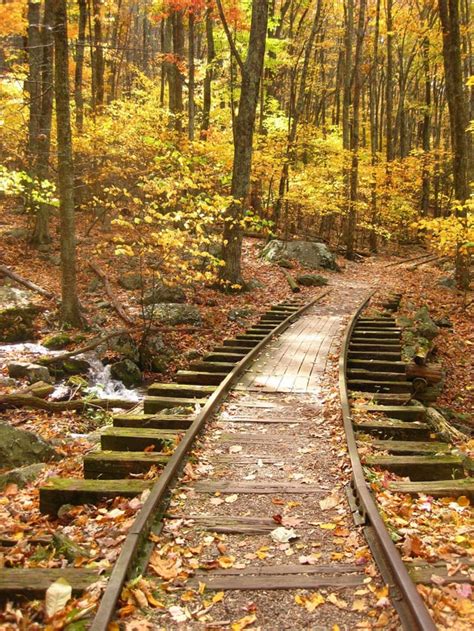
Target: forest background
183, 124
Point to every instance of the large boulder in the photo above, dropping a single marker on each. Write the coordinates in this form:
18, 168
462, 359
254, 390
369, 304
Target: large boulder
33, 372
164, 294
173, 314
125, 347
127, 372
131, 281
311, 280
17, 314
308, 253
22, 476
19, 448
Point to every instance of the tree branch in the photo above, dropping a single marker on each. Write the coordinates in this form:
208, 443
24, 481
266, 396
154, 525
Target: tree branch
232, 45
27, 283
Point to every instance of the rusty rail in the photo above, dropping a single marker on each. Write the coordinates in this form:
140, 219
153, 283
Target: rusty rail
157, 499
407, 601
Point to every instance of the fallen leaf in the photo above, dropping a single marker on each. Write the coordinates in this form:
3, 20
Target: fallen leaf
329, 502
243, 623
283, 535
328, 526
178, 613
226, 562
311, 602
166, 568
218, 597
216, 501
340, 604
359, 605
230, 499
57, 596
234, 449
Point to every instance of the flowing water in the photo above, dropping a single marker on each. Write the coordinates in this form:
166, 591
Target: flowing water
100, 382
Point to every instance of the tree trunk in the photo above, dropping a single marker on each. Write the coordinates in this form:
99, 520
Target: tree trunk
357, 74
34, 83
449, 17
251, 72
98, 67
79, 71
70, 311
191, 76
211, 53
426, 132
373, 104
389, 85
176, 82
41, 229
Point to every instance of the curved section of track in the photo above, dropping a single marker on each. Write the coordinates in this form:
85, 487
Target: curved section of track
156, 501
405, 597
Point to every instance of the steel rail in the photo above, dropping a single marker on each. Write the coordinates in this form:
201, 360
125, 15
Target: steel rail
143, 522
407, 601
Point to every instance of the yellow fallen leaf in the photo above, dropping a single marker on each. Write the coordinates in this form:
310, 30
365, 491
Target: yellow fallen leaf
333, 599
311, 602
243, 623
218, 597
226, 562
359, 605
463, 500
328, 526
202, 587
166, 568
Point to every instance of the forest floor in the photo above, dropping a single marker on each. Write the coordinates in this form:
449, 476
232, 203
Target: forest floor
74, 434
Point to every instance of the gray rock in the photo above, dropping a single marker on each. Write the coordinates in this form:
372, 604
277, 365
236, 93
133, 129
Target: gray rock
193, 353
17, 313
165, 294
285, 263
448, 281
311, 280
240, 314
22, 476
425, 325
253, 284
93, 286
33, 372
308, 253
175, 314
17, 233
127, 372
57, 341
18, 448
124, 346
131, 281
74, 366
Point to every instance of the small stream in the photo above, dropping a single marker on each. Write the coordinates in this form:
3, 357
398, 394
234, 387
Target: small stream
100, 382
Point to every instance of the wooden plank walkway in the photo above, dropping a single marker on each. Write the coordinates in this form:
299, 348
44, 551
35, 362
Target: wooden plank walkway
296, 360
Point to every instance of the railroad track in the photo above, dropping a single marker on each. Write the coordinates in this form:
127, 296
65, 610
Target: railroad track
138, 440
378, 407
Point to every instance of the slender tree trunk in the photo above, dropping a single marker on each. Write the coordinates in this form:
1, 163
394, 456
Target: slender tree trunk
355, 139
251, 72
449, 17
426, 132
373, 104
79, 71
298, 95
191, 108
41, 234
389, 85
176, 83
211, 53
98, 66
34, 83
70, 310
